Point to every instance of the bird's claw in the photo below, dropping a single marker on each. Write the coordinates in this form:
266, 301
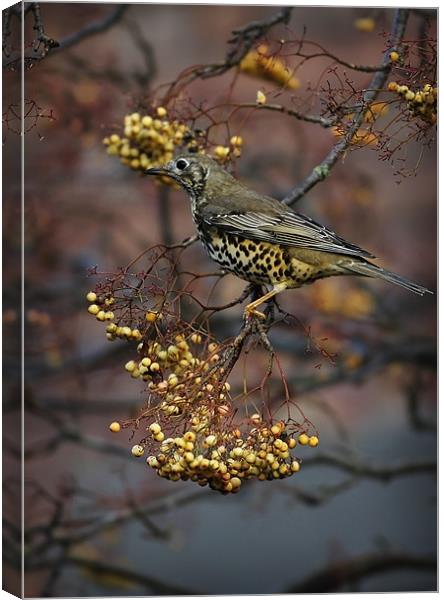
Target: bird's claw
252, 312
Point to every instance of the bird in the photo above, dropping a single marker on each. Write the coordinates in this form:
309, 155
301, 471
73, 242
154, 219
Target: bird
262, 240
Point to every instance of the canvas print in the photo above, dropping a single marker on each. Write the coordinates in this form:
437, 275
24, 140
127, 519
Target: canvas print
219, 299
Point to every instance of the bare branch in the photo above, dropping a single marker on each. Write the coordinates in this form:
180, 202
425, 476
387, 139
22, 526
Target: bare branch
321, 171
334, 576
93, 28
151, 584
51, 46
242, 41
326, 123
361, 469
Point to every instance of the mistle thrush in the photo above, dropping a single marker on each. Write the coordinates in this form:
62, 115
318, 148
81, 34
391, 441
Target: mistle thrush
260, 239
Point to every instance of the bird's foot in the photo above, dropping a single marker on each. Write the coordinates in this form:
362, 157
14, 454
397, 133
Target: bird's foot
251, 312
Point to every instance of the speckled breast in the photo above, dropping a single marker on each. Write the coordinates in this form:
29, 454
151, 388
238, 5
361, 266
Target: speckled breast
256, 262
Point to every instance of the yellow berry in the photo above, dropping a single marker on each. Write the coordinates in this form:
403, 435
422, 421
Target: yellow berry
295, 466
114, 139
161, 111
115, 427
93, 309
155, 428
221, 151
163, 355
313, 441
392, 86
173, 352
101, 315
261, 98
419, 97
236, 140
303, 439
137, 450
276, 430
235, 482
153, 462
159, 437
394, 56
151, 316
91, 296
130, 366
172, 380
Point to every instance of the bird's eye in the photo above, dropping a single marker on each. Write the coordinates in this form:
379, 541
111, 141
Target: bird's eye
182, 164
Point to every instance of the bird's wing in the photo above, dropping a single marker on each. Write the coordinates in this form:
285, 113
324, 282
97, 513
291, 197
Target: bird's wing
287, 228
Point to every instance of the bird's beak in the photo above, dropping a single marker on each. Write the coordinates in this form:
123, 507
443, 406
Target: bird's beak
156, 171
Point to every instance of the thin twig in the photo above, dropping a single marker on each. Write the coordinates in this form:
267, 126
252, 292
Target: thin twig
242, 41
321, 171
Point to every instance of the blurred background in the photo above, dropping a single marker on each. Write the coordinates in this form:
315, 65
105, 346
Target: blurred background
361, 514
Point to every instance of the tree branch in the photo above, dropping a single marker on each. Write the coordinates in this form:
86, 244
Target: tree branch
242, 41
321, 171
335, 576
93, 28
382, 473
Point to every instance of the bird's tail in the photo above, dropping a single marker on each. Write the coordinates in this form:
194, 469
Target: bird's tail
369, 270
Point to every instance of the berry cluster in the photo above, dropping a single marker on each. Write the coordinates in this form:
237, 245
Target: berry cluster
190, 414
151, 140
259, 63
180, 374
225, 153
99, 307
422, 103
222, 457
